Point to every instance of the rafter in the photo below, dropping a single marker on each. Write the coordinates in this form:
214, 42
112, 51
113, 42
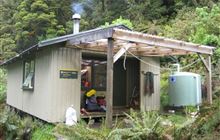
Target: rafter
160, 41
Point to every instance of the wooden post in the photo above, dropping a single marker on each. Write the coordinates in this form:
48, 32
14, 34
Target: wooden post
208, 77
109, 93
209, 80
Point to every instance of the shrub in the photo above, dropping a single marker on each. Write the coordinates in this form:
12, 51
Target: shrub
13, 126
2, 85
204, 125
144, 125
164, 99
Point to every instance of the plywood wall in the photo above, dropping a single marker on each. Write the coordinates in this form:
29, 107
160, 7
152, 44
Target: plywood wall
51, 95
14, 84
150, 102
65, 92
36, 102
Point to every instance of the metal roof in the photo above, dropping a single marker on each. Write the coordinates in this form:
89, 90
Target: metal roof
83, 33
61, 39
138, 43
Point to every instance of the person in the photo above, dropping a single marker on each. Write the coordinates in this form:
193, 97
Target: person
71, 118
91, 102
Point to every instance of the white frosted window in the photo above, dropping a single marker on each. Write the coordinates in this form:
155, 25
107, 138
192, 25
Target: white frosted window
28, 75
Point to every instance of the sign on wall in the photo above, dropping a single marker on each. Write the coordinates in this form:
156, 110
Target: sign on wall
68, 74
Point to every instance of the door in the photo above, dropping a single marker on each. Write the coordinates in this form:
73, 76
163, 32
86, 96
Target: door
119, 86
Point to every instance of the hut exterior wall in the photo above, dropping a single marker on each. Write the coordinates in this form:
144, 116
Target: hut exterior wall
52, 95
14, 84
65, 92
150, 102
36, 102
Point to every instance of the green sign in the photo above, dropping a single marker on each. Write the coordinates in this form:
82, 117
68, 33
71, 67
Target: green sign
68, 74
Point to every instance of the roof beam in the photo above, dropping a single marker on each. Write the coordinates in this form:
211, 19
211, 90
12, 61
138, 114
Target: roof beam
204, 62
160, 41
86, 47
90, 36
158, 54
120, 52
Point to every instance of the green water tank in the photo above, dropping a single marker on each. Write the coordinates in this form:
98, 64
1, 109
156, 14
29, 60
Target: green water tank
184, 89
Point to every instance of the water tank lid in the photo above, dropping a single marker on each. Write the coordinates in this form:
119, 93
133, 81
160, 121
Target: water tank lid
184, 74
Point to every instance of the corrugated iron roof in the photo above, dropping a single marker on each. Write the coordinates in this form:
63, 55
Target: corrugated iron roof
60, 40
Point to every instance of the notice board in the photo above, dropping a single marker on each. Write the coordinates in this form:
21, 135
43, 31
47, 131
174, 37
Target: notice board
68, 74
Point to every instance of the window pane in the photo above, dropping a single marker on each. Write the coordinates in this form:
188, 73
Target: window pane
99, 71
32, 66
93, 74
26, 70
28, 77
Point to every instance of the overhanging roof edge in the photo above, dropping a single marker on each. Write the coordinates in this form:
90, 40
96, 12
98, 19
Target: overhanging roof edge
63, 39
80, 35
162, 42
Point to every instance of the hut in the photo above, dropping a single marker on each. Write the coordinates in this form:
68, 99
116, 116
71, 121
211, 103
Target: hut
48, 77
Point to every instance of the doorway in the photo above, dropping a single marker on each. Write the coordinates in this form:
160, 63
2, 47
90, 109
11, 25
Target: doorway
126, 91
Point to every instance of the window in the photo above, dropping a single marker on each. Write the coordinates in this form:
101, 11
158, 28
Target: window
99, 76
93, 74
28, 75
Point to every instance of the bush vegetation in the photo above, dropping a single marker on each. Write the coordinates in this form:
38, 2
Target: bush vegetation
144, 125
13, 126
2, 85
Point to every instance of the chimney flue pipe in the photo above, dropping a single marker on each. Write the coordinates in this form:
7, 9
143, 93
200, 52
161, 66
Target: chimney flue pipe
76, 21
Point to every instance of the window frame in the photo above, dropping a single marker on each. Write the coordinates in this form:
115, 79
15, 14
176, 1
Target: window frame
94, 78
24, 76
93, 74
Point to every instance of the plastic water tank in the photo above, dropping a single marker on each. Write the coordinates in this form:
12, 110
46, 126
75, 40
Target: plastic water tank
184, 89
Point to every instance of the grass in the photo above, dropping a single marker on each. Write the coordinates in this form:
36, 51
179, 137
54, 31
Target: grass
43, 132
82, 131
176, 119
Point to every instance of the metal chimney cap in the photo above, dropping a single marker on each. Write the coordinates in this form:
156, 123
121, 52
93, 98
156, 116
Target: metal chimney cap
76, 16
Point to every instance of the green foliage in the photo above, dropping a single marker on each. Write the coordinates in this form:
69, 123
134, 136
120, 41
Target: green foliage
198, 25
206, 29
13, 127
206, 123
210, 118
25, 22
97, 12
176, 119
189, 109
164, 99
118, 21
82, 131
35, 21
211, 124
7, 42
43, 132
144, 125
148, 9
180, 27
2, 85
